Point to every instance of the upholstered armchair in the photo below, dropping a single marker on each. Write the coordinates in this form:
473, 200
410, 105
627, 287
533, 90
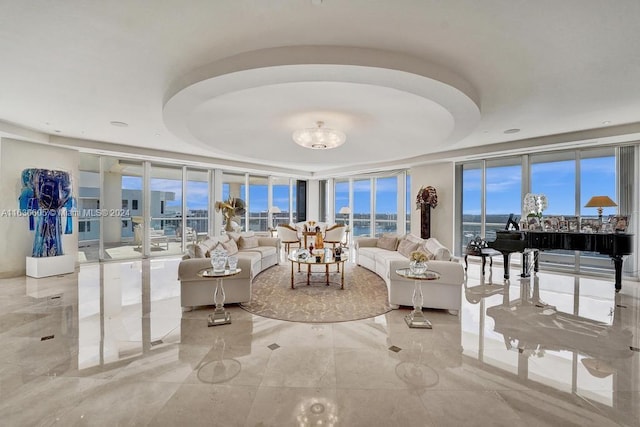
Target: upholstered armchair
288, 235
335, 234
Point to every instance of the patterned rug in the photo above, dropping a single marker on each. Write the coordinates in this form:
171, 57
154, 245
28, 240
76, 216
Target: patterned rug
364, 295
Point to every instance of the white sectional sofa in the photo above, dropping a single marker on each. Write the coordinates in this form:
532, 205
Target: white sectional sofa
386, 254
255, 254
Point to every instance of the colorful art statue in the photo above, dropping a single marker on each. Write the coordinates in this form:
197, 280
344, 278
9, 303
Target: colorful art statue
44, 197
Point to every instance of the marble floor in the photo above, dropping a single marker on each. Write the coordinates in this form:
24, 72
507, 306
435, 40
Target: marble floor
109, 345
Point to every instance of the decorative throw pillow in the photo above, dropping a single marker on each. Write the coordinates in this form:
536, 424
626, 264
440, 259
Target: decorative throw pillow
191, 250
233, 235
405, 247
248, 242
388, 243
230, 246
426, 251
201, 251
414, 239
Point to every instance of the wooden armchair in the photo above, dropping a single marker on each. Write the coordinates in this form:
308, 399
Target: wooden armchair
288, 236
335, 234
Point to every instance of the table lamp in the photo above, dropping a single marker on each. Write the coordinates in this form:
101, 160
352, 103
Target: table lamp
274, 210
345, 210
600, 202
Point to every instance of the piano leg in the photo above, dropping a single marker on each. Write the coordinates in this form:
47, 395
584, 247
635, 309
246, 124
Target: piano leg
505, 256
617, 263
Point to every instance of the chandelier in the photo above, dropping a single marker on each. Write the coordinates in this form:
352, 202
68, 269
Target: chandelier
319, 138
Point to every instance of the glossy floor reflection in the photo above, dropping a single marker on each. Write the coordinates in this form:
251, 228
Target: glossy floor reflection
110, 345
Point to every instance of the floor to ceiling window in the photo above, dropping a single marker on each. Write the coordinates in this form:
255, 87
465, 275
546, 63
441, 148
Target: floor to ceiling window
123, 191
165, 209
597, 178
233, 186
357, 201
471, 202
281, 192
362, 207
503, 190
386, 206
258, 203
567, 178
341, 204
88, 205
554, 175
197, 204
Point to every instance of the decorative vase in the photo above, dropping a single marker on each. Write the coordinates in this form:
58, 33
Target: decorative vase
218, 260
418, 267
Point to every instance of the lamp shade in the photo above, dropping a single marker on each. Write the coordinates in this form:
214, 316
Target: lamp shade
275, 209
345, 210
600, 202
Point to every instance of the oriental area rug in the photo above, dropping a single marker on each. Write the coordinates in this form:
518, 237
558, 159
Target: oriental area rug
364, 295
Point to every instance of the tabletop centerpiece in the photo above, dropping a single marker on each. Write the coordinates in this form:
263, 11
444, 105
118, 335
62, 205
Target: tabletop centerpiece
418, 262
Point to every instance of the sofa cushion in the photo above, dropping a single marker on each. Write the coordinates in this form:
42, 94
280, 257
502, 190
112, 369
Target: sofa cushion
230, 246
405, 247
414, 239
387, 242
201, 250
264, 251
439, 251
248, 242
236, 236
212, 242
191, 250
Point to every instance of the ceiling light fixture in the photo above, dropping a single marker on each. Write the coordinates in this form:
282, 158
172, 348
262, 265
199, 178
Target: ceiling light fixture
119, 124
514, 130
319, 138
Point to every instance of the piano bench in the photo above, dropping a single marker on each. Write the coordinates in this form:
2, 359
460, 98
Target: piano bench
483, 253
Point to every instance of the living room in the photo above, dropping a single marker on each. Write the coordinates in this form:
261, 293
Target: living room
158, 112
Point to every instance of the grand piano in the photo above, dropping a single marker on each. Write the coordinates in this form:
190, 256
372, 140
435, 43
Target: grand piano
616, 245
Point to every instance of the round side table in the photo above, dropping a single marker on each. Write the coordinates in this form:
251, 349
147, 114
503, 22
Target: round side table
219, 316
416, 318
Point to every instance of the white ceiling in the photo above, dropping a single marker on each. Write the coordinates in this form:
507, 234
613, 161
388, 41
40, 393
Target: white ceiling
406, 80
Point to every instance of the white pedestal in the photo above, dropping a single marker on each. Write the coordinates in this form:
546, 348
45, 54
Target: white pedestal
50, 266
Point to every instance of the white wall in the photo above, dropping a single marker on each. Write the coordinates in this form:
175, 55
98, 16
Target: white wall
17, 241
442, 177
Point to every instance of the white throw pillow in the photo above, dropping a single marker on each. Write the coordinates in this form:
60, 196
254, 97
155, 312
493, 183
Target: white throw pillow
405, 247
248, 242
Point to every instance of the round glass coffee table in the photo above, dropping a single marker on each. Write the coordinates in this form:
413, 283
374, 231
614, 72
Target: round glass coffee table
219, 316
325, 257
416, 318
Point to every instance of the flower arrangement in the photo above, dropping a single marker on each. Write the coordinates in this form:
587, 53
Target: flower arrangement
534, 204
427, 196
418, 256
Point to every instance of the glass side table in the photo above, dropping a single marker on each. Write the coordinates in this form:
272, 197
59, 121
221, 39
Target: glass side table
416, 318
219, 316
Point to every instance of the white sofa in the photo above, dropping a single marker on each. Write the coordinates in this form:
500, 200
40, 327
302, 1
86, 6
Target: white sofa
384, 257
252, 259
